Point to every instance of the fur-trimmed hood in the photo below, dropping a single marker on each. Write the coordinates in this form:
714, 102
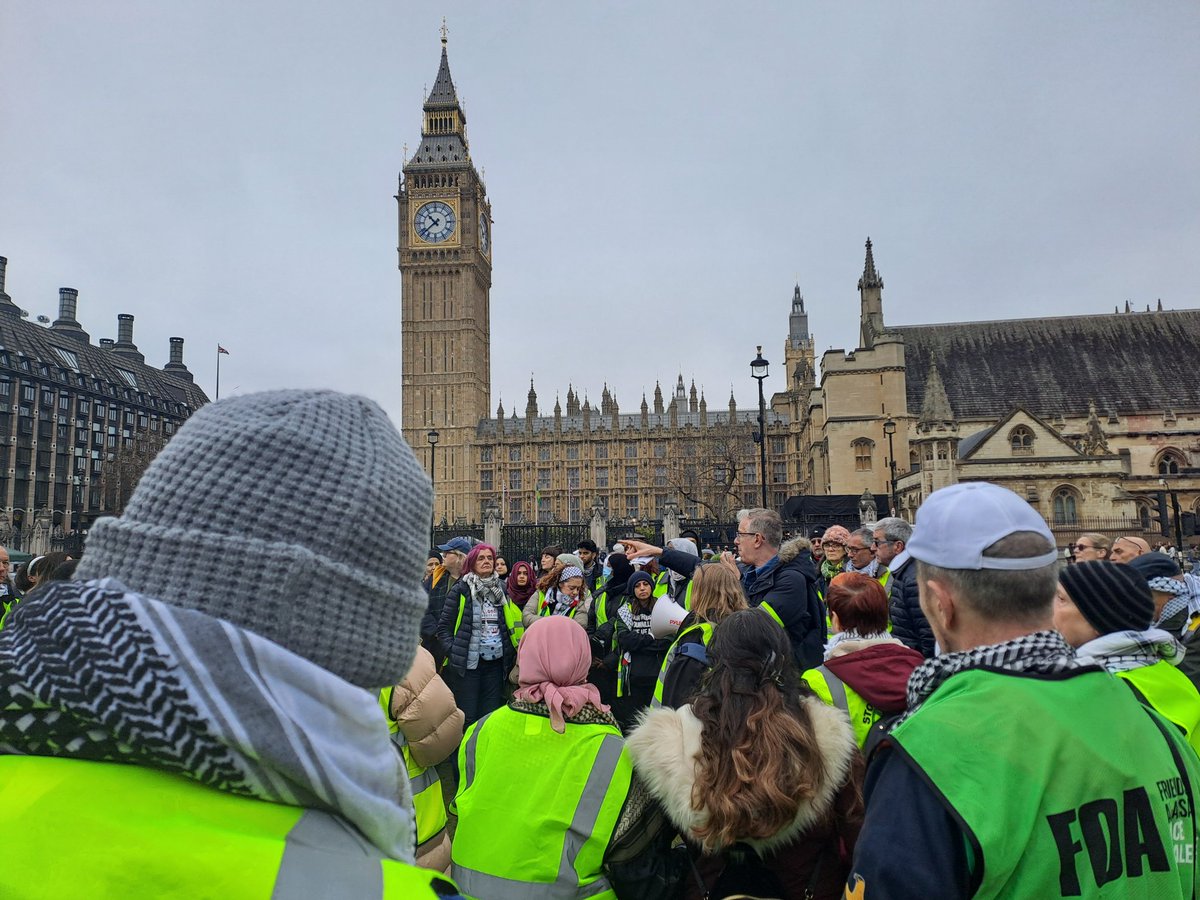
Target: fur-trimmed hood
791, 549
666, 743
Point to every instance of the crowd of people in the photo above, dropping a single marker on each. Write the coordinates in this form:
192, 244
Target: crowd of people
937, 709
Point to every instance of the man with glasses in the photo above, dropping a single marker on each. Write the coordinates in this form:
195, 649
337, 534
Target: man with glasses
1126, 548
909, 624
778, 577
1090, 547
860, 557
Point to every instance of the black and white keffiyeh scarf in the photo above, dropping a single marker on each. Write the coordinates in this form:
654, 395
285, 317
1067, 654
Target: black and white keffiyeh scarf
1040, 653
1122, 651
91, 671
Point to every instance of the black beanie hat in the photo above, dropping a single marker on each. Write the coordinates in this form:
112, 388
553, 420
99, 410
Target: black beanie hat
1111, 596
636, 577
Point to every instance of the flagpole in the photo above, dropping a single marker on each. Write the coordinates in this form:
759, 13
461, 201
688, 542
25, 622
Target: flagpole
218, 395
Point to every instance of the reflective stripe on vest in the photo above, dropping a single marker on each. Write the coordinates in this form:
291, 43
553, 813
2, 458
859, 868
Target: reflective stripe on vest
602, 795
832, 690
429, 806
770, 610
164, 835
706, 633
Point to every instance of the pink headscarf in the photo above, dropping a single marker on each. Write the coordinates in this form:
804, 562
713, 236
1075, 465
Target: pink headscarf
553, 660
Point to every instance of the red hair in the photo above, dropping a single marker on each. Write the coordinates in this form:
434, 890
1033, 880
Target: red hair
860, 603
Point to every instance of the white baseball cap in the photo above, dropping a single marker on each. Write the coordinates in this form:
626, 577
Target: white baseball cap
958, 523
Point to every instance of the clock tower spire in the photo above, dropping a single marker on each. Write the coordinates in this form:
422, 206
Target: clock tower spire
445, 258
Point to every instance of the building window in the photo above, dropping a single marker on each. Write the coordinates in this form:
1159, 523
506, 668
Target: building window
749, 475
573, 507
862, 454
631, 476
1065, 507
543, 454
631, 451
601, 476
573, 477
660, 476
778, 446
485, 454
573, 451
543, 479
631, 506
1021, 440
1170, 462
660, 450
515, 511
514, 454
602, 451
514, 479
779, 473
660, 505
485, 479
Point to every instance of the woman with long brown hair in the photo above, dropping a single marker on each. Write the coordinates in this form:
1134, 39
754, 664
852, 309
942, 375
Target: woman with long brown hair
761, 779
716, 594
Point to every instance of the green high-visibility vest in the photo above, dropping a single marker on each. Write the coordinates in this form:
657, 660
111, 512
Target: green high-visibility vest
1170, 692
662, 584
564, 803
706, 633
1066, 786
74, 828
600, 604
835, 692
423, 782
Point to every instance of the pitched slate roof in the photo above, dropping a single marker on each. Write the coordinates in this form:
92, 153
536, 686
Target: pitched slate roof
1125, 362
19, 338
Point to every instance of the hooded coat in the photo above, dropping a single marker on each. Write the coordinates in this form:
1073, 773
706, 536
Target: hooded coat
791, 589
664, 749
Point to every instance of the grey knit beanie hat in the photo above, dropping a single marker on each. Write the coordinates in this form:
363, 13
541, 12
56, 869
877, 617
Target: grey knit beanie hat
316, 495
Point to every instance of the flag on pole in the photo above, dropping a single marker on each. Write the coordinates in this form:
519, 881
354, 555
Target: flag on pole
221, 349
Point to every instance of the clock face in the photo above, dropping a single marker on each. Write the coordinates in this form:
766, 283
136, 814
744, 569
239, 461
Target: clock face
435, 222
485, 234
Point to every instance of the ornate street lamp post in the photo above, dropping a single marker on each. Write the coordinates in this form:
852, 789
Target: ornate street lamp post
433, 437
889, 428
758, 371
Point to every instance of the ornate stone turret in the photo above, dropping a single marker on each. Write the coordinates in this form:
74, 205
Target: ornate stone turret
732, 406
870, 290
703, 411
646, 411
1094, 442
936, 440
658, 399
692, 405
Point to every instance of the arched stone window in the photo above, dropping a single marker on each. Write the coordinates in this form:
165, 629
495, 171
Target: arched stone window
1169, 462
1021, 440
1066, 506
863, 448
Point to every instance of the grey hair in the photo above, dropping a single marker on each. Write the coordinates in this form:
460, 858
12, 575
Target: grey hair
766, 522
867, 533
894, 529
1021, 597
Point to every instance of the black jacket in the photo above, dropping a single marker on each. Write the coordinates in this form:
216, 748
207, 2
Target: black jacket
791, 590
456, 643
909, 625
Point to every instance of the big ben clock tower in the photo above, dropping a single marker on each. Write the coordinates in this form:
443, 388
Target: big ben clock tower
446, 274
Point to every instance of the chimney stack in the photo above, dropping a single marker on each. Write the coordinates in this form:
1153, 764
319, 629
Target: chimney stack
66, 323
125, 345
106, 343
175, 366
7, 307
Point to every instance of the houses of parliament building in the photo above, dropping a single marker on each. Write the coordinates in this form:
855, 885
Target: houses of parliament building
1094, 419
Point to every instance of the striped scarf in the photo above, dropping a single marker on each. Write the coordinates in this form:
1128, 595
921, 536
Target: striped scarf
91, 671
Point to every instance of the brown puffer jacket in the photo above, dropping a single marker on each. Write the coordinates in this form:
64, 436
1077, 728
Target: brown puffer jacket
423, 707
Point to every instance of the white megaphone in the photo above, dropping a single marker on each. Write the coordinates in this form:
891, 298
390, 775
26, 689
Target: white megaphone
665, 617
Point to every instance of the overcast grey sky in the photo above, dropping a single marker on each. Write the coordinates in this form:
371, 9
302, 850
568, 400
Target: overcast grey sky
661, 175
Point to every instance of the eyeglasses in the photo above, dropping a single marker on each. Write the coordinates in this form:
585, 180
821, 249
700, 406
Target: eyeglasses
877, 542
748, 533
1079, 547
857, 549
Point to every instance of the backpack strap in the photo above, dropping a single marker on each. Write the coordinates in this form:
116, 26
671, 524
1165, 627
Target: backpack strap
696, 651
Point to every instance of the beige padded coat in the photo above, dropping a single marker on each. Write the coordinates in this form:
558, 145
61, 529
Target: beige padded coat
423, 707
